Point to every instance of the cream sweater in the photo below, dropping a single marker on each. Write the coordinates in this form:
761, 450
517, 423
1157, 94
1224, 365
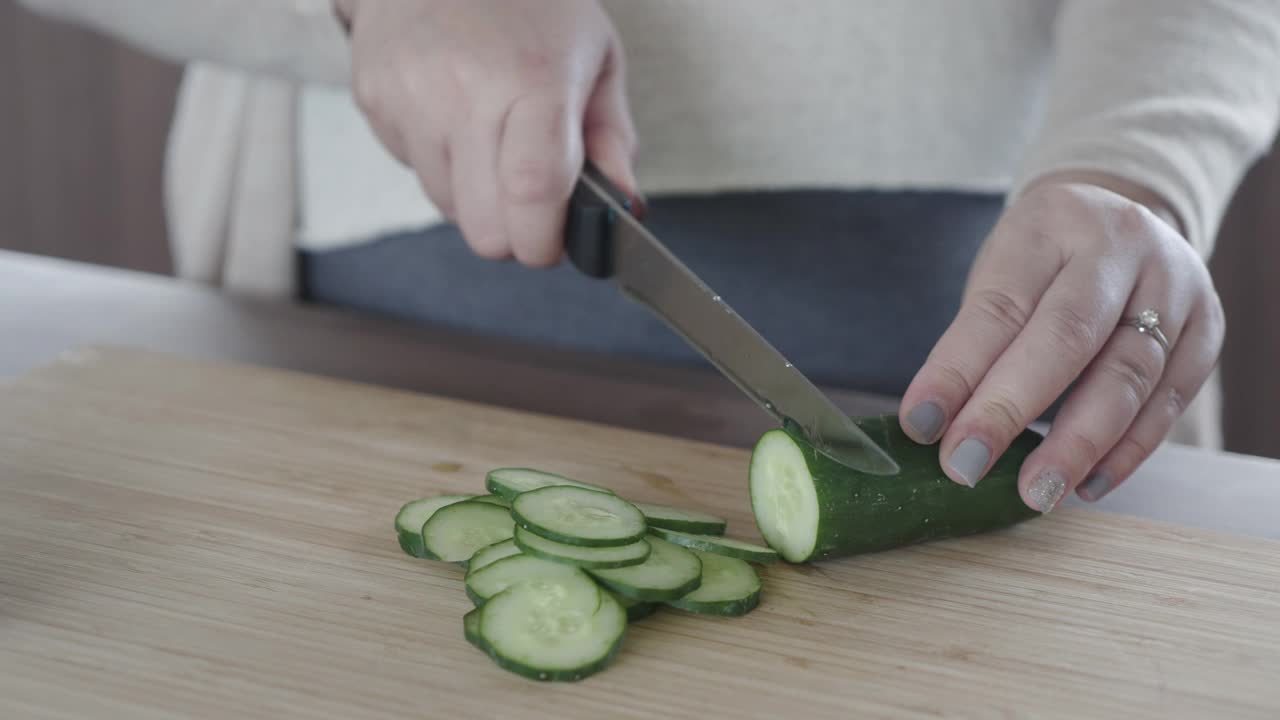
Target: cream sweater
268, 152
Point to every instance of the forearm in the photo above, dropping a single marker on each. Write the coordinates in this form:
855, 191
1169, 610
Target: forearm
299, 39
1171, 98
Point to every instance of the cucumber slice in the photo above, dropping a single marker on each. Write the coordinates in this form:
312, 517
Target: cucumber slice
483, 584
493, 499
811, 508
455, 532
492, 553
720, 545
577, 516
668, 573
730, 587
510, 482
674, 518
635, 609
414, 514
471, 628
546, 629
585, 557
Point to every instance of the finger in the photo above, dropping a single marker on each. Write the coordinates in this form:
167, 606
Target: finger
1189, 366
1065, 332
539, 157
1105, 401
608, 129
476, 197
430, 161
1003, 290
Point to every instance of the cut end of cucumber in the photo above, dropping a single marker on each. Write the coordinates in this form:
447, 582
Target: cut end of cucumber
562, 629
578, 516
455, 532
730, 588
784, 499
414, 514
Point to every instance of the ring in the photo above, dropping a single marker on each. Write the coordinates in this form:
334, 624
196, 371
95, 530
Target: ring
1148, 323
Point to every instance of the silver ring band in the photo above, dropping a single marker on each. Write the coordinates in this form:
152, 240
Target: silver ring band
1148, 323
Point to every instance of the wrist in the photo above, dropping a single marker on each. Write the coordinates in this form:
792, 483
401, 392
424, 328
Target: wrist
1125, 188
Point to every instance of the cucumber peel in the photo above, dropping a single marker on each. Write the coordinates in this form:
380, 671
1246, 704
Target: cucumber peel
809, 507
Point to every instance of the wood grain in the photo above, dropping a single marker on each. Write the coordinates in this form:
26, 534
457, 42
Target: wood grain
181, 539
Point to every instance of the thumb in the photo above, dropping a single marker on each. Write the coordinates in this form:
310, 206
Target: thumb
608, 132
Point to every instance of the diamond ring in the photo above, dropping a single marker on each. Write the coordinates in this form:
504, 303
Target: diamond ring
1148, 323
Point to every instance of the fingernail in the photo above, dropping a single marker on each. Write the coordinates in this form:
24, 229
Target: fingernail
1095, 487
1047, 489
925, 420
969, 459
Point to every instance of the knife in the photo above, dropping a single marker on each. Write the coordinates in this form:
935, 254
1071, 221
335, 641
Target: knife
604, 239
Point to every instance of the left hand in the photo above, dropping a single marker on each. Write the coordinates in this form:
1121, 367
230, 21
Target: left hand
1042, 311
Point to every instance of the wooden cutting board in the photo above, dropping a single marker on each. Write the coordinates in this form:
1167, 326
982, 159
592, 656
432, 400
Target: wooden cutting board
194, 540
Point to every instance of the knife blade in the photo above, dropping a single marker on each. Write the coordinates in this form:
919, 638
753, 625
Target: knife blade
604, 239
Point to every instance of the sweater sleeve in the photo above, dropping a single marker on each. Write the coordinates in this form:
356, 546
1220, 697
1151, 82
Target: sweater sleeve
1180, 96
299, 39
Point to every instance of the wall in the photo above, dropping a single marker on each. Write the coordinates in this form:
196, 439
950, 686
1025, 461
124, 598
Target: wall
81, 139
81, 144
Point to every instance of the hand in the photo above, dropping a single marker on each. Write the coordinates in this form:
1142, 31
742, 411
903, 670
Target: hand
1042, 311
494, 104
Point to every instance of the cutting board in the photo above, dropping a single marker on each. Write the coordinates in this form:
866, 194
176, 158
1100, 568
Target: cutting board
181, 539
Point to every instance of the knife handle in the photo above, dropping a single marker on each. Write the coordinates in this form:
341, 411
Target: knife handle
588, 227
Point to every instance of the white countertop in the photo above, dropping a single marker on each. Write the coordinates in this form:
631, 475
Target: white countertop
1233, 493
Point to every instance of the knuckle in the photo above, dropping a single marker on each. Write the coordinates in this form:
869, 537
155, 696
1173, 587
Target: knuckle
367, 88
1174, 402
1216, 318
1136, 373
1133, 220
1003, 415
1080, 449
1072, 329
1136, 449
1002, 308
955, 378
489, 247
537, 179
537, 254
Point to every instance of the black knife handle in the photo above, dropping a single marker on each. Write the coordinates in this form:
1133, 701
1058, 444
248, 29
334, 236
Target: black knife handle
588, 227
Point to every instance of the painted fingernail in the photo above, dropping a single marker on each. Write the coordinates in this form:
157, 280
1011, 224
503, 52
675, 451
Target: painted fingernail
969, 459
1047, 490
925, 420
1095, 487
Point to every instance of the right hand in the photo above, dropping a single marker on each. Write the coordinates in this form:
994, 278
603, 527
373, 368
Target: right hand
494, 105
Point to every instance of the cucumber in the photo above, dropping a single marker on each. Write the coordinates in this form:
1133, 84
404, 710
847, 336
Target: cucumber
493, 499
483, 584
564, 629
635, 609
492, 553
585, 557
455, 532
730, 587
668, 573
507, 483
809, 507
674, 518
414, 514
729, 547
577, 516
471, 628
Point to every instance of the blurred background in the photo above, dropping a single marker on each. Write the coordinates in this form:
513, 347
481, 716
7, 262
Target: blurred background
82, 135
